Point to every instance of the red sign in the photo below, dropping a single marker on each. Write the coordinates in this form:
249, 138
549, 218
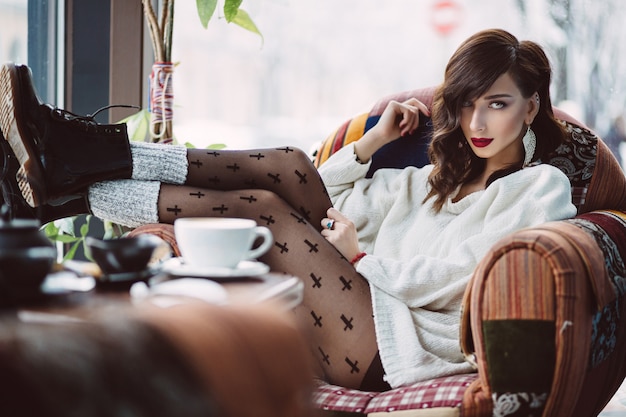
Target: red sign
446, 16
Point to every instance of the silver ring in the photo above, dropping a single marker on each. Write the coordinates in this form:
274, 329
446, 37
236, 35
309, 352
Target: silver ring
330, 224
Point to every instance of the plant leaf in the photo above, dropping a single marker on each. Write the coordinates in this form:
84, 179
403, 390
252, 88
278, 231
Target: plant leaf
51, 230
66, 225
111, 230
216, 146
84, 229
72, 251
206, 8
138, 124
66, 238
231, 8
243, 20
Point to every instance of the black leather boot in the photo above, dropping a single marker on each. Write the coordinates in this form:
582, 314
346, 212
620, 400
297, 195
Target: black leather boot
12, 200
59, 153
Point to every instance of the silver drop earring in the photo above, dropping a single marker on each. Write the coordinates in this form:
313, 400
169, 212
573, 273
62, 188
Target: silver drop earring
530, 143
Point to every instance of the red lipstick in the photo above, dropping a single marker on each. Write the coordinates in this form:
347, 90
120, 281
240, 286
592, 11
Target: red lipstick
481, 142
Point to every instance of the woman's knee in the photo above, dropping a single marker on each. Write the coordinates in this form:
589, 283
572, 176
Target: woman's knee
267, 198
294, 155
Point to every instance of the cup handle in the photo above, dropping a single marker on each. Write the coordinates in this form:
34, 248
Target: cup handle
268, 240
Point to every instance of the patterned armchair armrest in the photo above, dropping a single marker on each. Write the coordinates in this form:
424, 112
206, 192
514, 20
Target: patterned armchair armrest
543, 318
163, 230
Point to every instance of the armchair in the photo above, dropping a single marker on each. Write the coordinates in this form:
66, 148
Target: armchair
543, 315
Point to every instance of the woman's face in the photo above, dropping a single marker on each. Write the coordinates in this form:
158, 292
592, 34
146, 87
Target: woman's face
494, 123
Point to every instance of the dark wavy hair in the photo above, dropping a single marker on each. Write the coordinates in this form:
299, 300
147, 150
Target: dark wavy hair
471, 71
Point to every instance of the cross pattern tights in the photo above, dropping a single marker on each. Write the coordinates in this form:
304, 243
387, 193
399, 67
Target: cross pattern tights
281, 189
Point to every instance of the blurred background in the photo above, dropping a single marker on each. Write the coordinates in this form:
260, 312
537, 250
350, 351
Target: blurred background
322, 61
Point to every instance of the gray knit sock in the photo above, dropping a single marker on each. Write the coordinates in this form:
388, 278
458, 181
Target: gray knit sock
127, 202
159, 162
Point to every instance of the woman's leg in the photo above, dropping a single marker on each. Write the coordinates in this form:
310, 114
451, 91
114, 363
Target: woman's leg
336, 308
336, 312
281, 189
288, 172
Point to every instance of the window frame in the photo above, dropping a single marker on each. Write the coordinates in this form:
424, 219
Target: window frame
93, 46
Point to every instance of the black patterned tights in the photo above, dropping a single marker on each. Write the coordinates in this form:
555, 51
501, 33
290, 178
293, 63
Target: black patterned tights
281, 189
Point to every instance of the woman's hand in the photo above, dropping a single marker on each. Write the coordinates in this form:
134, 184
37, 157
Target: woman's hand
341, 233
398, 119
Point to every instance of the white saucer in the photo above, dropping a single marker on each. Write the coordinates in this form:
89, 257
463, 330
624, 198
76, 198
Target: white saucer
167, 293
177, 267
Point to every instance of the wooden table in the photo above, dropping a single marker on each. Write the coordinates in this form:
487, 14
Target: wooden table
285, 290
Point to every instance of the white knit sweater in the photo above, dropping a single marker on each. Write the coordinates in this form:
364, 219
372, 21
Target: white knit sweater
419, 262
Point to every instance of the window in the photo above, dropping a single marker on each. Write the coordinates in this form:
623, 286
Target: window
323, 61
45, 50
14, 34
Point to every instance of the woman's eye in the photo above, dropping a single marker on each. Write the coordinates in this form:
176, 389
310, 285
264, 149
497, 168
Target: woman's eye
466, 104
497, 105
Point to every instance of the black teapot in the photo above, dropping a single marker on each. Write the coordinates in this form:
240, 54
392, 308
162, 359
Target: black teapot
26, 257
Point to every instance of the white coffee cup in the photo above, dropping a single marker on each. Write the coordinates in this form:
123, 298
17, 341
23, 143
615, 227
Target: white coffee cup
219, 242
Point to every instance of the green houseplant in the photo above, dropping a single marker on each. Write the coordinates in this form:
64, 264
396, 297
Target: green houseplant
161, 25
161, 28
233, 13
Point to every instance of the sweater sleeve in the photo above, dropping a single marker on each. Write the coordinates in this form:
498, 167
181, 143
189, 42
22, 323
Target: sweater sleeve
363, 200
523, 199
341, 171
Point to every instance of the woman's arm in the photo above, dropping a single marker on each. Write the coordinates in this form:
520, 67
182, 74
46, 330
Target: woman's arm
398, 119
341, 172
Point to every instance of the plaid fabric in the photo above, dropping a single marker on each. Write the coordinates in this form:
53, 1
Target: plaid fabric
335, 398
439, 392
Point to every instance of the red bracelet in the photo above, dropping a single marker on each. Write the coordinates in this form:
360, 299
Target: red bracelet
358, 257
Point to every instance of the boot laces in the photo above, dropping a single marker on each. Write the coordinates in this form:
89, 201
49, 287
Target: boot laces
88, 120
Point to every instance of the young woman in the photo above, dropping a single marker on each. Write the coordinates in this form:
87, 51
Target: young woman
385, 277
